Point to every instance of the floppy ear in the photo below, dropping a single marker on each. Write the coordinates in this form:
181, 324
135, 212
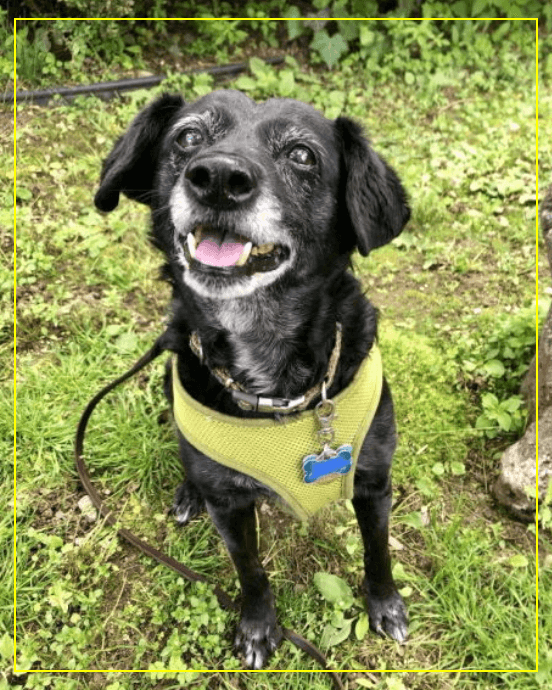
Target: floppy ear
374, 196
131, 165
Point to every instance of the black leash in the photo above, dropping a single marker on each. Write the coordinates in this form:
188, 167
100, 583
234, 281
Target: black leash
225, 601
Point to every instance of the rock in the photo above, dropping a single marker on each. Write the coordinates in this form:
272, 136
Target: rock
546, 222
87, 508
529, 385
518, 469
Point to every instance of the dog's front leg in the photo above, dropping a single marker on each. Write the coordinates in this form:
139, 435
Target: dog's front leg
386, 609
258, 633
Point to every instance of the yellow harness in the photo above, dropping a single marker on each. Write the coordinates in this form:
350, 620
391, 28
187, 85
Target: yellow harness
284, 454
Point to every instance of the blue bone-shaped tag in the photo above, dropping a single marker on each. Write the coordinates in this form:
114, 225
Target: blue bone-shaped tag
320, 467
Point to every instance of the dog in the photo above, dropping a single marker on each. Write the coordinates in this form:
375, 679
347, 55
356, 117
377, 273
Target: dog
257, 208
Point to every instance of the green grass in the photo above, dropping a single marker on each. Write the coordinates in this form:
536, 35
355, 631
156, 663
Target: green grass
90, 304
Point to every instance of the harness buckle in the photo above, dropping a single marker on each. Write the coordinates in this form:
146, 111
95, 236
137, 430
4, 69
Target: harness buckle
252, 402
280, 404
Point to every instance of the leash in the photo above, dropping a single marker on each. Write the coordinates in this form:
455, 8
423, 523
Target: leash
225, 601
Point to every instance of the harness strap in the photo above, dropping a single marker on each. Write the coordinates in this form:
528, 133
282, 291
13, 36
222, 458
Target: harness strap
225, 601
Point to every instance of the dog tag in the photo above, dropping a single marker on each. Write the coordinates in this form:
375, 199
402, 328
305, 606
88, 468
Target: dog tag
327, 465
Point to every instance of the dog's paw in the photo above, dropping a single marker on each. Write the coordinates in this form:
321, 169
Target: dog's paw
257, 640
388, 616
187, 504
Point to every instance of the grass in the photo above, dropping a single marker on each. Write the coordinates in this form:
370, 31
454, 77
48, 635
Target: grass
89, 304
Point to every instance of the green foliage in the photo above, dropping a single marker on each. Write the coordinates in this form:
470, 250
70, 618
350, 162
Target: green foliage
33, 56
338, 593
330, 48
53, 52
103, 8
194, 86
484, 8
502, 357
199, 633
495, 364
389, 47
6, 49
501, 416
545, 512
334, 589
268, 81
446, 51
219, 38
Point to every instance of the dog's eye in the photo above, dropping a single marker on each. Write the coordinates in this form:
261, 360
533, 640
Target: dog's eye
302, 155
189, 137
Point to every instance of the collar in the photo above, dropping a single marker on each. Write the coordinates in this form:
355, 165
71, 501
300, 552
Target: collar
258, 403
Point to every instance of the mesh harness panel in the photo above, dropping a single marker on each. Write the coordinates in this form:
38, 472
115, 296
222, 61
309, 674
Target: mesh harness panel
272, 451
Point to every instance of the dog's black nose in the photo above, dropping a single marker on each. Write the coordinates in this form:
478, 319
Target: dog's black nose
222, 180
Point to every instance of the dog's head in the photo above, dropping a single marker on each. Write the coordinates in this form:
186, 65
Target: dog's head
243, 194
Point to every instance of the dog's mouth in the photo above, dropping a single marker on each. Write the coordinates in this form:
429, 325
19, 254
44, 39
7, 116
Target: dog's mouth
207, 248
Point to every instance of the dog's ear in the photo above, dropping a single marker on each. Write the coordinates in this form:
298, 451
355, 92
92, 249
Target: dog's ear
131, 165
375, 199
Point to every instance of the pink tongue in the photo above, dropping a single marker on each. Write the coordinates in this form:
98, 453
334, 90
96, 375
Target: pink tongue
210, 252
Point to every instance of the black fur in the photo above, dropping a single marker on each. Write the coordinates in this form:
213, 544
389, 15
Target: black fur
276, 173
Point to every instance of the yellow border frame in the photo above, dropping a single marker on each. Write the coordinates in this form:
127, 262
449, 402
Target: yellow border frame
239, 670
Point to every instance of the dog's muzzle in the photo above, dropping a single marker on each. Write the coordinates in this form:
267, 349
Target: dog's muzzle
241, 235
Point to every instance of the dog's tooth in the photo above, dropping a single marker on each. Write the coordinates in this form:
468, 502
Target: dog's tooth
266, 248
190, 239
245, 254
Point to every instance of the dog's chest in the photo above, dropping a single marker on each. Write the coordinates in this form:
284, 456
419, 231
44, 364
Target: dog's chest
259, 372
259, 338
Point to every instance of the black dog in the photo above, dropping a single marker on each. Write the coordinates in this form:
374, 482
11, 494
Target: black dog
258, 208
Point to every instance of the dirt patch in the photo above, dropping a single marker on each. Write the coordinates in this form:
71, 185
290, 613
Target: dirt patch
439, 297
